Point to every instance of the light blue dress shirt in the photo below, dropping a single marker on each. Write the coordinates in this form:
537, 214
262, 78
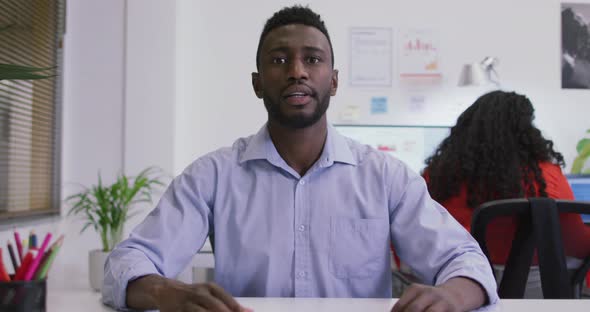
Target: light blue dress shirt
279, 234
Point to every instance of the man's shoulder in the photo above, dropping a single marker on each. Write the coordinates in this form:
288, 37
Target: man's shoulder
223, 156
374, 160
366, 154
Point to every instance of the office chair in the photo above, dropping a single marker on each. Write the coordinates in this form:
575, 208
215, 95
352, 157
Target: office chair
212, 240
538, 228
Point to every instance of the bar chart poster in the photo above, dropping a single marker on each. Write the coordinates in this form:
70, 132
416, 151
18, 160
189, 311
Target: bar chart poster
419, 55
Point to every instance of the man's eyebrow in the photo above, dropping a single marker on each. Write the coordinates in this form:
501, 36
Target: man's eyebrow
277, 49
314, 49
286, 49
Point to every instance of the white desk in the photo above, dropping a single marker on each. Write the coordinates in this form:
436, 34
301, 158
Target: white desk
88, 301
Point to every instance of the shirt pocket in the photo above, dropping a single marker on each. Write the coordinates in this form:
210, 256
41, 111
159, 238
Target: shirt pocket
358, 247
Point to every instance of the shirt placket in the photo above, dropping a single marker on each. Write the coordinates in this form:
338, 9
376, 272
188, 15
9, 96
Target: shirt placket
302, 271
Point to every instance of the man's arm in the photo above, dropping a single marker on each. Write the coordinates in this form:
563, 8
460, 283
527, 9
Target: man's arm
167, 239
438, 249
456, 294
156, 292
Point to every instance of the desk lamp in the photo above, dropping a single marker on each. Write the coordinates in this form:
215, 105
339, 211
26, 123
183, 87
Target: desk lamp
481, 73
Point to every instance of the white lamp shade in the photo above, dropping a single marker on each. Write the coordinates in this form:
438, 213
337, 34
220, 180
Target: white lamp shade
480, 73
473, 75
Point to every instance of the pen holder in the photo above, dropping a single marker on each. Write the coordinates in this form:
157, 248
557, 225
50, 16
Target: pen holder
21, 296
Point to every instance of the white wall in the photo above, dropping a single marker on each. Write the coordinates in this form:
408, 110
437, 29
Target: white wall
163, 82
219, 46
92, 120
150, 94
214, 66
150, 85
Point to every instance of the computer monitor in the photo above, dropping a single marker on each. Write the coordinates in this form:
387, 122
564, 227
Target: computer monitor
410, 144
580, 184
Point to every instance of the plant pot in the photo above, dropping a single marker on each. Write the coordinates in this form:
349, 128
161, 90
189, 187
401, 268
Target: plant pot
96, 261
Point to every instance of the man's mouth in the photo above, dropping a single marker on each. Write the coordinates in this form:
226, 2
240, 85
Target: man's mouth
298, 95
297, 98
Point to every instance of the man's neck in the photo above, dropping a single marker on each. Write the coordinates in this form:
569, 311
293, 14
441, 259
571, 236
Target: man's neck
300, 148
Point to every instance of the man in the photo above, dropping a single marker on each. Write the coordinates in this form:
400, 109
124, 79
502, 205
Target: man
297, 209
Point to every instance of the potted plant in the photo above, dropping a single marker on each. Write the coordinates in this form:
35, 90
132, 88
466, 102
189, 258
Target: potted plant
106, 208
583, 149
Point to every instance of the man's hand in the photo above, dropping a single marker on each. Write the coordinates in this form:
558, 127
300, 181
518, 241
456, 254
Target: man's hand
166, 295
457, 294
197, 297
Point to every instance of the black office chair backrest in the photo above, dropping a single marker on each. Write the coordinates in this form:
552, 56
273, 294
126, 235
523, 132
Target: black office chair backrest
212, 240
538, 228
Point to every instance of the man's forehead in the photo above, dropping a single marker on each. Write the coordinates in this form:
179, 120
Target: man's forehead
288, 35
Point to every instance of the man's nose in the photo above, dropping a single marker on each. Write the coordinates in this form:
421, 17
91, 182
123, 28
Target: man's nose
297, 70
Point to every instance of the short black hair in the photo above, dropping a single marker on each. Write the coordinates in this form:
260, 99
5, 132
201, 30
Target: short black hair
293, 15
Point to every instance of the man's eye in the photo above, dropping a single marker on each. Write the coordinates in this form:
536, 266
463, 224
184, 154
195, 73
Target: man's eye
313, 60
279, 60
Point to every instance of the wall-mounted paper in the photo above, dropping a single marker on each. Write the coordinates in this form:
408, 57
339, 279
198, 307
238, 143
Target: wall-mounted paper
378, 105
350, 113
371, 57
419, 55
416, 103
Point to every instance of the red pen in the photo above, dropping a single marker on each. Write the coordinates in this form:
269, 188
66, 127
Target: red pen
24, 266
3, 274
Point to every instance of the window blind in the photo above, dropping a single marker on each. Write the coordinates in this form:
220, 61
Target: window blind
30, 117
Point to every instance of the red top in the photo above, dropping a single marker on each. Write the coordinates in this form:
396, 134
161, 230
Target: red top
576, 235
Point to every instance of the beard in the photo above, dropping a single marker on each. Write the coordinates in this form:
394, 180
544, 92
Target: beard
298, 121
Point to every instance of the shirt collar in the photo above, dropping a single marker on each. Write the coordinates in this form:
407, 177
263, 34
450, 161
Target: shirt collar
259, 146
336, 149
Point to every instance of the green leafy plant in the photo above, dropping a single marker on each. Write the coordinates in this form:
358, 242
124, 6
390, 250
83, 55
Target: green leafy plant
107, 207
583, 148
19, 72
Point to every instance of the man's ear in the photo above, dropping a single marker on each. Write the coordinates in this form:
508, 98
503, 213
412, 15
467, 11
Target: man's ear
334, 82
256, 84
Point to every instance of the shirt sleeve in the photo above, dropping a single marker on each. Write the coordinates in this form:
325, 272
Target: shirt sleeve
168, 237
430, 240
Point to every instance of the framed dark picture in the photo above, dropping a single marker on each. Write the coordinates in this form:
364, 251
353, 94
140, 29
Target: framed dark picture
575, 46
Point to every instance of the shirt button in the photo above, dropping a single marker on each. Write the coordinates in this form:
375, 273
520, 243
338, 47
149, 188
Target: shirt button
301, 228
301, 273
301, 182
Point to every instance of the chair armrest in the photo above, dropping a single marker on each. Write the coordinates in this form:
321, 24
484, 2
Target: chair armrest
405, 278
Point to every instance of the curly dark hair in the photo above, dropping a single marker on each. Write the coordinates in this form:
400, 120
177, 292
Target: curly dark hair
293, 15
492, 149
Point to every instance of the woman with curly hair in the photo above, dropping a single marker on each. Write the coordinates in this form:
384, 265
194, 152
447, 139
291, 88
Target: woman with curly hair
495, 152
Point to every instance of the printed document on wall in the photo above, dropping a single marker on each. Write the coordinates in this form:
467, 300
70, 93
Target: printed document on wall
371, 57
